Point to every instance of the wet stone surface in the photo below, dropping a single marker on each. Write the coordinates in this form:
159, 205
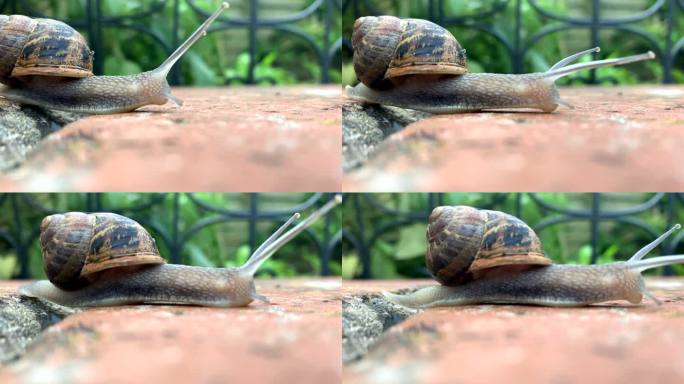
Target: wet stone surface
297, 336
615, 138
260, 138
611, 342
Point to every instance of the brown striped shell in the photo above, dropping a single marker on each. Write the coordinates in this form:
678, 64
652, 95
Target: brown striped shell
465, 242
387, 48
41, 47
77, 245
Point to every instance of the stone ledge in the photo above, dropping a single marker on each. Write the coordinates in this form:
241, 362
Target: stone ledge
615, 139
298, 336
614, 342
222, 139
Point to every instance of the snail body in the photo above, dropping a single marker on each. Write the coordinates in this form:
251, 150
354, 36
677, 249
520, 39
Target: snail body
48, 64
391, 61
489, 257
156, 284
105, 259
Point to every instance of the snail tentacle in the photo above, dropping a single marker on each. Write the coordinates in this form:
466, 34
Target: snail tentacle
273, 245
556, 74
573, 57
649, 247
166, 66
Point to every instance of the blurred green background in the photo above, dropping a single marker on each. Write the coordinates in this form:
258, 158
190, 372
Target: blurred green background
283, 57
487, 54
397, 242
223, 244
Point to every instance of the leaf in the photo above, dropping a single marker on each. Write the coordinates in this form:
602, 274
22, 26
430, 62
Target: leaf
120, 66
411, 242
584, 254
197, 256
350, 264
202, 74
8, 265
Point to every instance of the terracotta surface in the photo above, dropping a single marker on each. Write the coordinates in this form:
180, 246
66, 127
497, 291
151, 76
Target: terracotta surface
611, 343
615, 138
298, 336
233, 139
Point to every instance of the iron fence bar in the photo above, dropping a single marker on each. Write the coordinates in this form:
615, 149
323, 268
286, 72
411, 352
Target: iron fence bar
326, 59
669, 64
595, 19
175, 248
19, 242
594, 220
175, 75
253, 209
365, 250
517, 56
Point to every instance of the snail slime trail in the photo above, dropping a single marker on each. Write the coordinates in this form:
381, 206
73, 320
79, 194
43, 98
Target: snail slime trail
86, 268
67, 83
417, 64
489, 257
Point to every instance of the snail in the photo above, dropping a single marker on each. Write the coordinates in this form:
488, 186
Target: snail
104, 259
48, 64
490, 257
419, 65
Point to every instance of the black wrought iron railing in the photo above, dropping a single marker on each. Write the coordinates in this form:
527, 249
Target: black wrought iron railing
666, 41
327, 49
362, 232
22, 214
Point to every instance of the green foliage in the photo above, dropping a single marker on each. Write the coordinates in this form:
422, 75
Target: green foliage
487, 54
284, 57
217, 245
400, 252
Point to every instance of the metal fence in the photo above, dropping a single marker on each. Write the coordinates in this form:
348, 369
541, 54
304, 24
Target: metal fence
665, 47
362, 239
95, 22
175, 237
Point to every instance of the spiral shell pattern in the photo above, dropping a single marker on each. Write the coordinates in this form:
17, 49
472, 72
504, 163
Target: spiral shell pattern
387, 47
463, 242
42, 47
76, 245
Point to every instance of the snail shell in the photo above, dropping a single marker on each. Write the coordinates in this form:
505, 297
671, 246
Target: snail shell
41, 47
77, 245
387, 48
464, 243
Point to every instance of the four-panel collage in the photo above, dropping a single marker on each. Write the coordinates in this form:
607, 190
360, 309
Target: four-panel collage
341, 191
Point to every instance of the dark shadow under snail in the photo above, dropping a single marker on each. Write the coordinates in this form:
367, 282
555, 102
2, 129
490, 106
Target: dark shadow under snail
490, 257
419, 65
105, 259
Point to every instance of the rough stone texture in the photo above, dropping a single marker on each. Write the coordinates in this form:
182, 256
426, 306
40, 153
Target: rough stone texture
297, 336
222, 139
22, 319
364, 319
22, 128
609, 343
364, 127
615, 138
